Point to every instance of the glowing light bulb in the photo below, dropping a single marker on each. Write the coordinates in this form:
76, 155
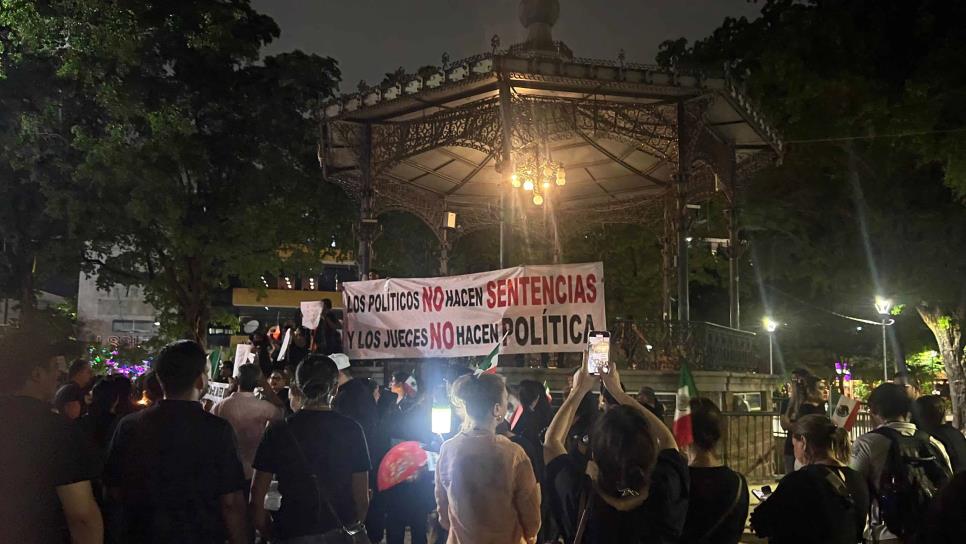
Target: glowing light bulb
515, 180
528, 185
538, 199
546, 185
561, 176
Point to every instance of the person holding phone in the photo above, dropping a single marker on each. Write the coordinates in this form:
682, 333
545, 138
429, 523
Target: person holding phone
635, 487
824, 501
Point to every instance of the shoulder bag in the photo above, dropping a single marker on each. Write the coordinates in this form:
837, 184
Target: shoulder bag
351, 534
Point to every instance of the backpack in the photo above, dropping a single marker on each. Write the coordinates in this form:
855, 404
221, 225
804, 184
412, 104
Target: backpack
913, 474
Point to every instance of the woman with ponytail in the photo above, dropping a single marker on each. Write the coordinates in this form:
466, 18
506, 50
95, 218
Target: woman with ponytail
486, 492
824, 501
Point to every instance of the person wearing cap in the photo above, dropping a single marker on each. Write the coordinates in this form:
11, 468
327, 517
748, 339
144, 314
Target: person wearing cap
353, 397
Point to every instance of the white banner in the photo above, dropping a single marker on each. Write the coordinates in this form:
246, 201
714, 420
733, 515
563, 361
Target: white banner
549, 308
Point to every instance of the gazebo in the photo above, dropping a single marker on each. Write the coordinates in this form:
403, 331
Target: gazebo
532, 135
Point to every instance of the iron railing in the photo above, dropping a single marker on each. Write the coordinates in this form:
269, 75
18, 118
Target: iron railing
663, 345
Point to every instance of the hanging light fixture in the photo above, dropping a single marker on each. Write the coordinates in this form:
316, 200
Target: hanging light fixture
535, 171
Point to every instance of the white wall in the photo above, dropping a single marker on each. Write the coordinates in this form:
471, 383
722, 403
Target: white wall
120, 314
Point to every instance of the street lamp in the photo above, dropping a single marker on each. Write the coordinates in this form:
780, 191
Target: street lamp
883, 306
771, 326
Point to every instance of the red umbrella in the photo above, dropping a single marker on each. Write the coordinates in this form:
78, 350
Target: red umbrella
401, 462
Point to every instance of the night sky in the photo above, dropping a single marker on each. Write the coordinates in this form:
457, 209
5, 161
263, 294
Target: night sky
372, 37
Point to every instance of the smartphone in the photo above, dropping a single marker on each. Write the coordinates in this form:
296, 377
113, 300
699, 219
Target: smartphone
598, 351
763, 493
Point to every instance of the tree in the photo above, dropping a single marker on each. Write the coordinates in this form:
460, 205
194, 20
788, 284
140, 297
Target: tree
35, 118
872, 94
201, 162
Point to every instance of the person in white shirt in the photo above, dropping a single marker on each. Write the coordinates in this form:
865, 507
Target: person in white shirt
890, 405
249, 414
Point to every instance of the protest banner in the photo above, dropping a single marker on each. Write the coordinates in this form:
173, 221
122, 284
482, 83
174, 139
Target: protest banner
548, 308
217, 392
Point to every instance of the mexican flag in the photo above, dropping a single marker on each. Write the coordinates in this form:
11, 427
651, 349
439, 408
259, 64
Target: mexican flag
490, 362
682, 408
546, 390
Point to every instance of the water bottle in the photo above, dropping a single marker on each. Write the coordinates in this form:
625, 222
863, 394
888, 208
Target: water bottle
273, 499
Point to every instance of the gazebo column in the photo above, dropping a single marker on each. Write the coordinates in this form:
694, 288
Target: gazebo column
506, 162
683, 223
367, 220
444, 247
734, 247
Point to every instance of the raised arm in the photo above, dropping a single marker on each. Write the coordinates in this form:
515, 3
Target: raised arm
553, 445
663, 435
270, 395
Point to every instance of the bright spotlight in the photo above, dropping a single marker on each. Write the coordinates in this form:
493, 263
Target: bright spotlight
769, 324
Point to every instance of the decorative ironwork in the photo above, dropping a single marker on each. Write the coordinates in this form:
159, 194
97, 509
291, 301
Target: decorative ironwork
476, 126
664, 345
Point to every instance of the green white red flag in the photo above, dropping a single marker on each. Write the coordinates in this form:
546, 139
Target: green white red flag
682, 408
492, 360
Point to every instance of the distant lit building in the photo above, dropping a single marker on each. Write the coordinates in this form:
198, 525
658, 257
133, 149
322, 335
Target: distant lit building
117, 316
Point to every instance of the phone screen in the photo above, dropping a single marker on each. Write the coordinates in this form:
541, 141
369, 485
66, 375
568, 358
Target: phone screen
763, 493
598, 351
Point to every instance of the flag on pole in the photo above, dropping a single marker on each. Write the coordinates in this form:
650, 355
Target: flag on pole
546, 389
489, 364
682, 408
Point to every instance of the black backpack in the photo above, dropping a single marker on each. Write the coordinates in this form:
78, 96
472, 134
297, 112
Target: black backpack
914, 473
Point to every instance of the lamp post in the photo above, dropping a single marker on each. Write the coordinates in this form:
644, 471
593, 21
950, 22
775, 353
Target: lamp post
771, 326
883, 306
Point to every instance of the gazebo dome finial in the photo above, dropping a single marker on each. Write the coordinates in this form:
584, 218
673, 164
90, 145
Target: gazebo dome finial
538, 17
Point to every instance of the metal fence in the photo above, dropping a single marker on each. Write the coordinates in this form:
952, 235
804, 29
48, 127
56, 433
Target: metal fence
749, 444
746, 448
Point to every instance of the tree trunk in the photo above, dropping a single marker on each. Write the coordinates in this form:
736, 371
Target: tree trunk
192, 294
27, 296
947, 327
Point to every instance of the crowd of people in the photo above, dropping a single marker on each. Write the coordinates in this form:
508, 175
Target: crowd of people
291, 453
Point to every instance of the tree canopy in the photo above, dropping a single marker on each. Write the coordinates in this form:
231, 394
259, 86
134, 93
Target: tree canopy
196, 160
868, 200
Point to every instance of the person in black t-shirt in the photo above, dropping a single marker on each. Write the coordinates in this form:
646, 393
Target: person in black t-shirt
635, 487
932, 416
173, 469
317, 455
823, 501
46, 467
70, 399
718, 501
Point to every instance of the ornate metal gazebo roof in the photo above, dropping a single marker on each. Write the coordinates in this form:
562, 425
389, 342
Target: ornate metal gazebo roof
632, 137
